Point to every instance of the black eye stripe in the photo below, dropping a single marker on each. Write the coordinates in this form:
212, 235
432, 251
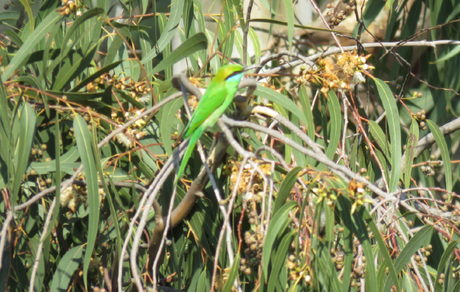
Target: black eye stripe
233, 74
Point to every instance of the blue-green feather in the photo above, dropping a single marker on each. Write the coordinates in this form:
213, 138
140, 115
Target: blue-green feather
212, 105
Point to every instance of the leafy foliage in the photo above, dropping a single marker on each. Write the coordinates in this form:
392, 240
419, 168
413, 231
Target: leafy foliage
338, 170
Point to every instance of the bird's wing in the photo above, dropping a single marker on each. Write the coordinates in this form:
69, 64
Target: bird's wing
207, 105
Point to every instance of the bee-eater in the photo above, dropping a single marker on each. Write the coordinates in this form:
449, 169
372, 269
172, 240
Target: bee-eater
212, 105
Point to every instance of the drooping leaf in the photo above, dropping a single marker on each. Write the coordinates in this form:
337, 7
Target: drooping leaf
394, 128
39, 33
335, 125
66, 268
169, 31
282, 100
86, 149
290, 20
168, 117
412, 140
26, 120
441, 142
190, 46
277, 225
286, 187
408, 252
232, 275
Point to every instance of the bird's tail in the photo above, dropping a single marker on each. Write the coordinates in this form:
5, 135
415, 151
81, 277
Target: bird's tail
191, 146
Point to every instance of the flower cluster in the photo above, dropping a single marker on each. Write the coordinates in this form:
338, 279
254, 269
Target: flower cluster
251, 179
337, 71
136, 90
75, 195
338, 15
253, 253
420, 116
69, 8
134, 132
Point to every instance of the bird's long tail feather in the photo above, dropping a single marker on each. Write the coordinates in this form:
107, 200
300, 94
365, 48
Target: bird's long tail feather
191, 146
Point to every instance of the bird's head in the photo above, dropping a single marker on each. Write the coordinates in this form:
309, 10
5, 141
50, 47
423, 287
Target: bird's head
229, 71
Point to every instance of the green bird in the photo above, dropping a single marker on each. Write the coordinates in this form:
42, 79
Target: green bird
212, 105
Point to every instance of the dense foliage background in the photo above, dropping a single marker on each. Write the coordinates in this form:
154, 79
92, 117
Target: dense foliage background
336, 169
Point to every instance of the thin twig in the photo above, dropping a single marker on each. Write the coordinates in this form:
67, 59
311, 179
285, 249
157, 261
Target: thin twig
165, 232
342, 171
334, 50
313, 3
146, 201
6, 225
40, 246
245, 33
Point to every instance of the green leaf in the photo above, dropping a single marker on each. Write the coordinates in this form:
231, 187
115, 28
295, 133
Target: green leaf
9, 15
354, 155
202, 281
344, 208
445, 258
47, 56
290, 20
306, 108
256, 44
278, 224
282, 100
40, 32
30, 14
114, 46
77, 62
388, 263
66, 268
452, 53
300, 158
67, 163
169, 31
328, 270
392, 115
14, 37
195, 43
33, 81
239, 46
380, 138
409, 250
232, 275
41, 272
373, 8
108, 196
363, 236
411, 143
129, 99
130, 27
280, 259
441, 141
167, 120
336, 124
285, 188
57, 175
79, 21
383, 162
274, 21
86, 150
26, 119
95, 75
77, 96
226, 35
5, 137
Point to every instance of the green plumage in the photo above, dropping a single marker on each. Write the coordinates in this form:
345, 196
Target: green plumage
212, 105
